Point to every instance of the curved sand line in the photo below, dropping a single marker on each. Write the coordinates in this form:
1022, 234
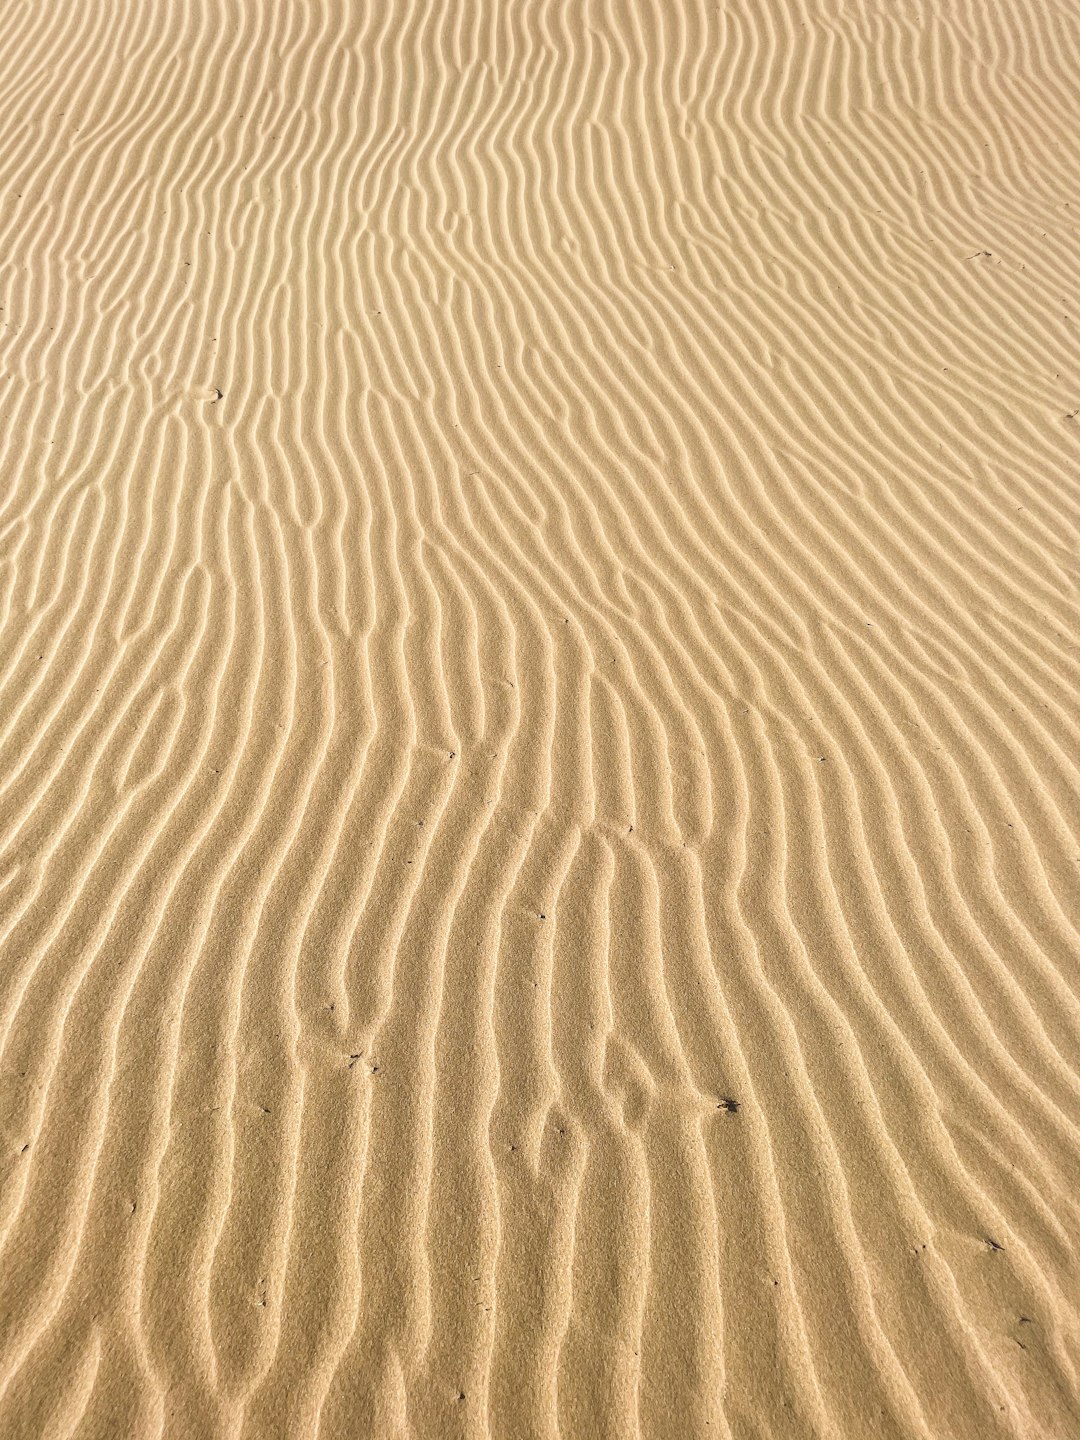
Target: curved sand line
539, 801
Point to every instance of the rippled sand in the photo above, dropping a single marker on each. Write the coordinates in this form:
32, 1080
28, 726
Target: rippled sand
539, 707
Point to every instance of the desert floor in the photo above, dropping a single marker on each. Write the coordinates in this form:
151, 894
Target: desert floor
539, 719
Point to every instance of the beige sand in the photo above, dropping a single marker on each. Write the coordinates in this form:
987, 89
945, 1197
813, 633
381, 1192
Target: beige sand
539, 807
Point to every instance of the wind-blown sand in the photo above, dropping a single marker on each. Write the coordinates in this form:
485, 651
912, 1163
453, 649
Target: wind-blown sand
539, 677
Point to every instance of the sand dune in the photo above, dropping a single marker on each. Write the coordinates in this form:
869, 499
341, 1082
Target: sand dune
539, 675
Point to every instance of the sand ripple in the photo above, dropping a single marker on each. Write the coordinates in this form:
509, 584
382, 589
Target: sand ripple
539, 675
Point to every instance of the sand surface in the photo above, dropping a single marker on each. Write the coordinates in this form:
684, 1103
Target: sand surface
539, 728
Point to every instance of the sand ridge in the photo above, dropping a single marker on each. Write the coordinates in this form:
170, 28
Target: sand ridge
539, 808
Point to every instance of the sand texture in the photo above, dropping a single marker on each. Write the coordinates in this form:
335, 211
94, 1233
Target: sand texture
539, 726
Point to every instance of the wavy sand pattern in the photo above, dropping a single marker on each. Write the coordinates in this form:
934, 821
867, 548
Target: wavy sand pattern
540, 823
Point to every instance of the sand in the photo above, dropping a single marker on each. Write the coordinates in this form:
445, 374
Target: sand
539, 678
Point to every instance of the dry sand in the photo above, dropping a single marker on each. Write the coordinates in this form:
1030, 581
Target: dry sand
539, 666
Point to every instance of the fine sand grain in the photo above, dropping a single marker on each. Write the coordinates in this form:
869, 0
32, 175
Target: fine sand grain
539, 728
